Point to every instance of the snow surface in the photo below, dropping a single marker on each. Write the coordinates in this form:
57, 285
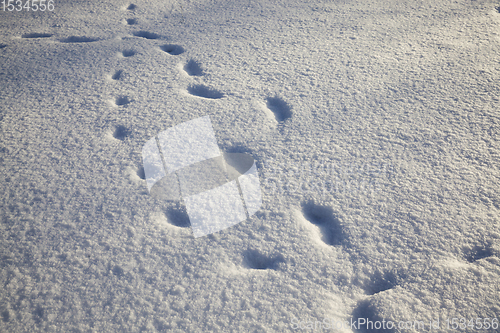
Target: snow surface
374, 126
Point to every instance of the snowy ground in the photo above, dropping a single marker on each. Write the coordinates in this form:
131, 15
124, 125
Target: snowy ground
374, 124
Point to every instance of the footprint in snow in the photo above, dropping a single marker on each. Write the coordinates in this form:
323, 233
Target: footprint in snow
172, 49
177, 215
141, 173
128, 53
202, 91
6, 316
257, 260
193, 68
478, 252
36, 35
368, 309
279, 108
382, 281
146, 34
122, 100
117, 75
78, 39
329, 225
121, 132
131, 21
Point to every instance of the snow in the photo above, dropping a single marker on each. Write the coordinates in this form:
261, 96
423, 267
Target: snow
375, 131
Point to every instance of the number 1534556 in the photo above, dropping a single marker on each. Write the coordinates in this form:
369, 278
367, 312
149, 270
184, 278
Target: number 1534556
27, 5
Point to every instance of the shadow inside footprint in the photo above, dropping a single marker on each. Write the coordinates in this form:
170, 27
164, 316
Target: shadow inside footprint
6, 316
236, 147
131, 6
38, 315
146, 34
177, 215
366, 310
118, 271
382, 281
2, 46
256, 260
121, 132
117, 74
122, 100
279, 107
78, 39
477, 253
172, 49
141, 173
325, 219
131, 21
128, 53
193, 68
36, 35
205, 92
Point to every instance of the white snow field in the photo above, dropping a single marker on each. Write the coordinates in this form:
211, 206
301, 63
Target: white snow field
375, 130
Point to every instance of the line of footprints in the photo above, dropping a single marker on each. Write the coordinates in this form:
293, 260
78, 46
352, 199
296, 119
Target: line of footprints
329, 227
327, 224
275, 106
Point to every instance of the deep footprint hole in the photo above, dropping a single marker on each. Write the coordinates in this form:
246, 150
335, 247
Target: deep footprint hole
36, 35
117, 75
121, 132
2, 46
257, 260
477, 253
237, 148
369, 312
131, 21
172, 49
131, 6
141, 173
122, 100
5, 316
325, 218
79, 39
38, 314
177, 215
205, 92
146, 34
118, 271
382, 281
128, 53
279, 107
193, 68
